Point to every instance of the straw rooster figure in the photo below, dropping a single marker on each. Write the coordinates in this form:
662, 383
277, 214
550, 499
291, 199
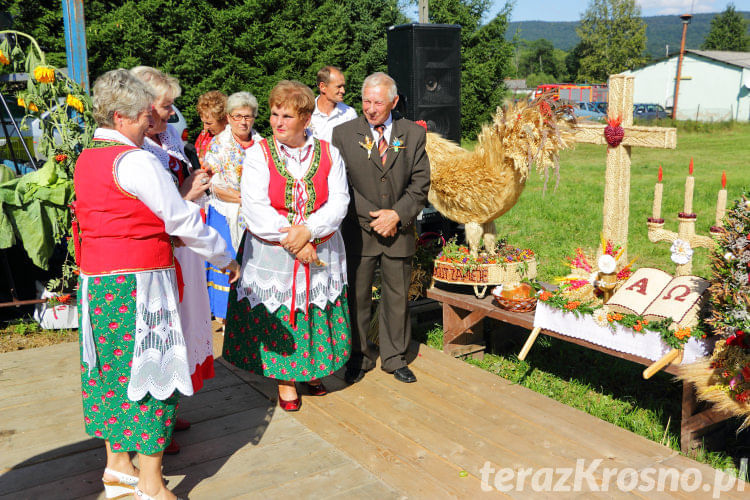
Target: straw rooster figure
476, 187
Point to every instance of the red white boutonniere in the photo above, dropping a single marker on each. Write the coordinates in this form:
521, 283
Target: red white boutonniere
368, 144
397, 144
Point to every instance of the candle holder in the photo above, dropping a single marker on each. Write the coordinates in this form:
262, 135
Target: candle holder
686, 230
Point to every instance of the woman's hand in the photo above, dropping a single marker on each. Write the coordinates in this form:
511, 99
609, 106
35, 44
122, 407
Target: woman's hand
234, 271
227, 194
307, 254
195, 185
297, 237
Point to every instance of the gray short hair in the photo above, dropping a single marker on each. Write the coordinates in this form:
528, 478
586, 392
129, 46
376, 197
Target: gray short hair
242, 100
118, 90
162, 84
378, 79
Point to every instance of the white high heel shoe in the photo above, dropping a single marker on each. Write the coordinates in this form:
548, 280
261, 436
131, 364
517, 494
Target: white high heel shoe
142, 496
123, 487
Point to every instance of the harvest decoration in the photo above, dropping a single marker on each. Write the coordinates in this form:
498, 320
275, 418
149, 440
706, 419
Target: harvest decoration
506, 265
460, 255
581, 281
35, 206
368, 144
673, 337
613, 132
397, 144
724, 379
476, 187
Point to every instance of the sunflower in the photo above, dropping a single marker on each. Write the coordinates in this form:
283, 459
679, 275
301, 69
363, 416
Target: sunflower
74, 103
44, 74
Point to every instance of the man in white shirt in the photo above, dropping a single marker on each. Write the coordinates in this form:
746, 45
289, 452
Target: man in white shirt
329, 107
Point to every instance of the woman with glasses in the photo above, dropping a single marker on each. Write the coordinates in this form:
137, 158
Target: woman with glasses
224, 159
288, 317
163, 141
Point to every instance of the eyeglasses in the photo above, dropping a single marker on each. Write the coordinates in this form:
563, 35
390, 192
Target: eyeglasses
245, 118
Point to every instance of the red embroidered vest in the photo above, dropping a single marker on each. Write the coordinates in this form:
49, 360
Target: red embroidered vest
293, 199
118, 232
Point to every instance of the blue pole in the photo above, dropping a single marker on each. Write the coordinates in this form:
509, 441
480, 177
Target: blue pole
75, 42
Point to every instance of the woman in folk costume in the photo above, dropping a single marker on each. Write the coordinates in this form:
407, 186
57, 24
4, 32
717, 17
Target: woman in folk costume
134, 360
288, 317
224, 159
163, 141
210, 108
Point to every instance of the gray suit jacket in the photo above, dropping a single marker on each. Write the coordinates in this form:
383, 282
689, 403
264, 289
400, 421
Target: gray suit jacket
401, 185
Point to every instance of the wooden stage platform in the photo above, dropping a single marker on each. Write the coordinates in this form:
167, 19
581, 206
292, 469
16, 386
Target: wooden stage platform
377, 439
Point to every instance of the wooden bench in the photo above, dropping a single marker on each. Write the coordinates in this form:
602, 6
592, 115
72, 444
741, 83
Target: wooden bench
462, 335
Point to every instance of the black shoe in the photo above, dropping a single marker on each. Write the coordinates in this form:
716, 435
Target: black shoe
354, 374
404, 374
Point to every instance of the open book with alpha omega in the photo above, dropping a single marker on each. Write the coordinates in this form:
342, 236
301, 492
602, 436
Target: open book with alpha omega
656, 295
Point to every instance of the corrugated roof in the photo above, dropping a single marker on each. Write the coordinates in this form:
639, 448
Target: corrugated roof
741, 59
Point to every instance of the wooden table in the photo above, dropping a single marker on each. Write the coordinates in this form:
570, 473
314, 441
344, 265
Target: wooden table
462, 313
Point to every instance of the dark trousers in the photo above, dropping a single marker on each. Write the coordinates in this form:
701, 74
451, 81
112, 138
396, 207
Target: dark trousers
395, 325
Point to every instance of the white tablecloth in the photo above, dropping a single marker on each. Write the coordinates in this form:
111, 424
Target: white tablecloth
648, 345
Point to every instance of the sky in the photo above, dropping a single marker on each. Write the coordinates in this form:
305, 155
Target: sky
570, 10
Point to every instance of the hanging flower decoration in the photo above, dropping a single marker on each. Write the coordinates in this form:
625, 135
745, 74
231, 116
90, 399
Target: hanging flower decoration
44, 74
681, 252
4, 59
21, 102
32, 107
74, 103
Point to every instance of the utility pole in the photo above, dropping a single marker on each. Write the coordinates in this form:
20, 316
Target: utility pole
75, 42
423, 10
685, 21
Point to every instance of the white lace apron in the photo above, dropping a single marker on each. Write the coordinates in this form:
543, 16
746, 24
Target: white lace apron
160, 360
267, 272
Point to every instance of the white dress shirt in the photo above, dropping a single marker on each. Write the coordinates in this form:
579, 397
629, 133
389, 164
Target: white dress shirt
322, 125
386, 133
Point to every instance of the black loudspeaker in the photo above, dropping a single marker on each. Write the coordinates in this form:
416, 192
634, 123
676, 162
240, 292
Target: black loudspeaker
425, 61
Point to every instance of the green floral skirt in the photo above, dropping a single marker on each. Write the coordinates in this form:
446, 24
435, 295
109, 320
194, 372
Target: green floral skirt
144, 426
267, 344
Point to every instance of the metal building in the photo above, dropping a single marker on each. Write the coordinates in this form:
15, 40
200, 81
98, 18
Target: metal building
715, 85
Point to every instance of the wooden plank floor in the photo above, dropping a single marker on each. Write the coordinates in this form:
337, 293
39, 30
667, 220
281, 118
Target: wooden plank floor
376, 439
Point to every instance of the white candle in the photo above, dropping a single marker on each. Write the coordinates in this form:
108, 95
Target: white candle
658, 191
689, 186
656, 211
721, 202
721, 206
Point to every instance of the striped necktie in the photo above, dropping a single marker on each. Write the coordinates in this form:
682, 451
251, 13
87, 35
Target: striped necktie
382, 143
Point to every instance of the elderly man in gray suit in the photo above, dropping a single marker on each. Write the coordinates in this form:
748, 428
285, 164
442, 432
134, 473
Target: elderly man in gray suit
389, 177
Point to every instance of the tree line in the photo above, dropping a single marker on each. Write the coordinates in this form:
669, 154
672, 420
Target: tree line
234, 45
611, 39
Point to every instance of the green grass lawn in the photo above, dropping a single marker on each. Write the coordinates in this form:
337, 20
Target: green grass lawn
554, 223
